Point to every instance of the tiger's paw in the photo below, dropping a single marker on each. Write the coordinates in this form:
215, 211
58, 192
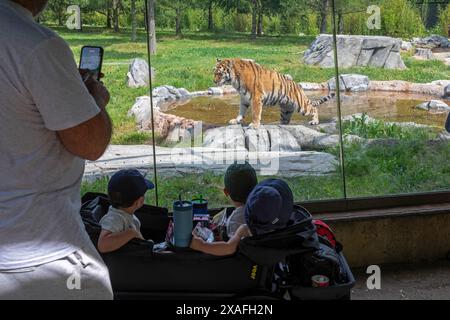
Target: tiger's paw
235, 121
253, 126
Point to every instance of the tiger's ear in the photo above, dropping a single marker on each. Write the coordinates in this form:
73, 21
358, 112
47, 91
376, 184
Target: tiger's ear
219, 60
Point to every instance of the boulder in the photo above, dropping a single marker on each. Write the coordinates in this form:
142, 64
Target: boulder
350, 82
447, 92
172, 128
219, 91
364, 51
230, 137
170, 93
178, 161
406, 45
141, 110
138, 74
431, 42
433, 105
424, 54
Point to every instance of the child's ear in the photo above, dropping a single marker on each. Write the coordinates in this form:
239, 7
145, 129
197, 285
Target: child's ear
226, 192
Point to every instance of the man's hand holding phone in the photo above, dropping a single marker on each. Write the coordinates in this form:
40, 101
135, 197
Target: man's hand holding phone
96, 88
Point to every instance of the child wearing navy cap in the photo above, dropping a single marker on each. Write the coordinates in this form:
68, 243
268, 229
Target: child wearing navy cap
268, 208
126, 191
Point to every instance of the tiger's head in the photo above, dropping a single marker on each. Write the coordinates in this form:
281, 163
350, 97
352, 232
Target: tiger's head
223, 72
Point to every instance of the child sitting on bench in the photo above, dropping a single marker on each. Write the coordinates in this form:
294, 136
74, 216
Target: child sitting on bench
126, 191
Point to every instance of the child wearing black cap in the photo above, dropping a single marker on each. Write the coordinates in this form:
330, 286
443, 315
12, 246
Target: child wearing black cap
126, 191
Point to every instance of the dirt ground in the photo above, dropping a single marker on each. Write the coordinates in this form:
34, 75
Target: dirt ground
406, 282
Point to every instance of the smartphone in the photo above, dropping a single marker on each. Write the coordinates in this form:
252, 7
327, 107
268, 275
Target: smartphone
92, 59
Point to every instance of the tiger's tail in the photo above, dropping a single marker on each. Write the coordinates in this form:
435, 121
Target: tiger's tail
322, 100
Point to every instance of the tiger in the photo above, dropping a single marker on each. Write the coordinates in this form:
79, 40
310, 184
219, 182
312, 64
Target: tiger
260, 87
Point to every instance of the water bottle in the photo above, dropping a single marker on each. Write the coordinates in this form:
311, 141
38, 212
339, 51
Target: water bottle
183, 223
200, 211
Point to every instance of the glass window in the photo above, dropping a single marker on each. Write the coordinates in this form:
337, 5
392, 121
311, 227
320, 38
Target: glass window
394, 68
215, 70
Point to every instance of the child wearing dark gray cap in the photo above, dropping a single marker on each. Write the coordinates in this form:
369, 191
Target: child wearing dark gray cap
239, 181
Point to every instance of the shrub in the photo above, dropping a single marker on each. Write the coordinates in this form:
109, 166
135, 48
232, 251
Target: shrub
444, 21
400, 19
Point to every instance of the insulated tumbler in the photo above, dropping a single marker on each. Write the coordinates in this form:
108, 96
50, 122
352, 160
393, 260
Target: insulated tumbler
183, 225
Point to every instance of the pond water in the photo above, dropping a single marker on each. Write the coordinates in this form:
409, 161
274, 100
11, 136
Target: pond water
387, 106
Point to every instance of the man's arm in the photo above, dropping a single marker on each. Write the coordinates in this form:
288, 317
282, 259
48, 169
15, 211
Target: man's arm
109, 241
90, 139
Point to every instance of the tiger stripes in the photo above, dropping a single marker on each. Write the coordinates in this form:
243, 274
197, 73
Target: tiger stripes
260, 87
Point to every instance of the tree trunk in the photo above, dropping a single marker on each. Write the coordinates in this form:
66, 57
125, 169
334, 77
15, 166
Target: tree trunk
178, 22
116, 15
323, 16
260, 21
151, 25
133, 21
210, 17
340, 22
108, 15
254, 18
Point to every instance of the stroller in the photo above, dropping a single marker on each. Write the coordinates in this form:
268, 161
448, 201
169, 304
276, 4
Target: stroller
275, 266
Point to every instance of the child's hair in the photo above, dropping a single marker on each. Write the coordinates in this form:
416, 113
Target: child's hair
239, 181
116, 200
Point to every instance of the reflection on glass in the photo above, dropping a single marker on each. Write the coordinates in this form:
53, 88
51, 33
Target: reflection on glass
394, 64
206, 114
393, 135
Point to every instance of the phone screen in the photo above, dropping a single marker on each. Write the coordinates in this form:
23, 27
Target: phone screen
91, 59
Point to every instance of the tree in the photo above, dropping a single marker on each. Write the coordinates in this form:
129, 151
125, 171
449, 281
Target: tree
178, 6
133, 21
59, 7
116, 6
151, 25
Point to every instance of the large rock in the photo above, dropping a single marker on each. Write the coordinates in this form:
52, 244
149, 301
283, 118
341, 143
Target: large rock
366, 51
447, 92
231, 137
138, 74
424, 54
434, 105
350, 82
170, 93
141, 110
180, 161
269, 138
433, 41
265, 139
406, 45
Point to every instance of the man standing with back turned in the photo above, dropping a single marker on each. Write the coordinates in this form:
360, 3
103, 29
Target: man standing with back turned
50, 121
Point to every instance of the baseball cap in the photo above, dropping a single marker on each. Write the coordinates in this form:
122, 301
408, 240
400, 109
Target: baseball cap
126, 186
239, 180
269, 206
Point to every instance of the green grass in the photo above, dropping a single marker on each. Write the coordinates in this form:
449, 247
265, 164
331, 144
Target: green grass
412, 163
188, 62
377, 129
407, 162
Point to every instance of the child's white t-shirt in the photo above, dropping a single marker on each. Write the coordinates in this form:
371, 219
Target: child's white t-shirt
117, 220
234, 221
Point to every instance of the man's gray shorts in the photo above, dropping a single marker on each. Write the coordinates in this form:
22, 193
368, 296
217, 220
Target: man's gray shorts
81, 275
